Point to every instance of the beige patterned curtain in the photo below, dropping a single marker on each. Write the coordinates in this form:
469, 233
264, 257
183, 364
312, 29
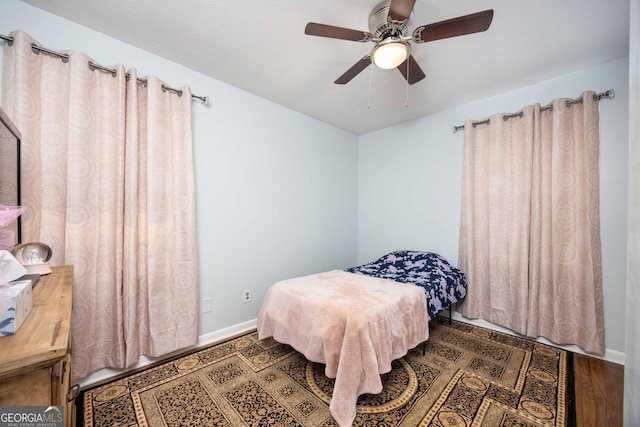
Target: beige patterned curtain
108, 182
160, 263
530, 225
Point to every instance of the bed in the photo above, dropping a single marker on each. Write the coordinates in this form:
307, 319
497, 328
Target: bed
357, 321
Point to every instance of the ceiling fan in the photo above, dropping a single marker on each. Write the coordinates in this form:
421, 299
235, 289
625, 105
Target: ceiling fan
389, 29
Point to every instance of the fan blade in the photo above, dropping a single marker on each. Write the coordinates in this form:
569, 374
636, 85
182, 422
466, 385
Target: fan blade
400, 10
354, 70
468, 24
332, 32
415, 72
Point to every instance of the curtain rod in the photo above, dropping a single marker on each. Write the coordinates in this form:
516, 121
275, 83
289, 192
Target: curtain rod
596, 97
92, 66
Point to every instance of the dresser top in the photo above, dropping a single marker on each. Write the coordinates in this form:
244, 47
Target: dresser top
44, 337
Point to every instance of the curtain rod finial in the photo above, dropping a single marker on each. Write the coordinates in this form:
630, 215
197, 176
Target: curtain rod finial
204, 99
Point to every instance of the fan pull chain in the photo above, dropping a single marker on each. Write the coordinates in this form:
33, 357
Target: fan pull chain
370, 85
406, 98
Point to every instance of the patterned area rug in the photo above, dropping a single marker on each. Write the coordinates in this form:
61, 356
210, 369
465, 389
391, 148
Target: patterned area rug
468, 376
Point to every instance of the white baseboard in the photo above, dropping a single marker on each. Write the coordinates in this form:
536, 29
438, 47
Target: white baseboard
226, 333
609, 355
105, 374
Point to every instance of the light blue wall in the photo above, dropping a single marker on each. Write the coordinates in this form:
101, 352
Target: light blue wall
280, 194
275, 190
409, 179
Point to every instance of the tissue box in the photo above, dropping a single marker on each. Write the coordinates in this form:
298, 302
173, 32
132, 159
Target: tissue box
15, 306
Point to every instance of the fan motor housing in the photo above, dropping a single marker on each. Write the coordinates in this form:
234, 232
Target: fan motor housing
381, 26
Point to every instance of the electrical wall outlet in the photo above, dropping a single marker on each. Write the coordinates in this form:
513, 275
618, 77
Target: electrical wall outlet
247, 295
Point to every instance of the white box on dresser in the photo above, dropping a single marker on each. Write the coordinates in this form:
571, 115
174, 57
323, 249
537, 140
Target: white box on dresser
15, 306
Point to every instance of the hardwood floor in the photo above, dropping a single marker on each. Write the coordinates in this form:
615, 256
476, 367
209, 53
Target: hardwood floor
599, 389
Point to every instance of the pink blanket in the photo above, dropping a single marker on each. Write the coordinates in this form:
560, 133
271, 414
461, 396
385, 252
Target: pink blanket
355, 324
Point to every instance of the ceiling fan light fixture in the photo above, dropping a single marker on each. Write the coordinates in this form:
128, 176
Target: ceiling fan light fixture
390, 53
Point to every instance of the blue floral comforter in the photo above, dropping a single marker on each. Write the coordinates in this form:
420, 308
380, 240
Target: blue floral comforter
443, 284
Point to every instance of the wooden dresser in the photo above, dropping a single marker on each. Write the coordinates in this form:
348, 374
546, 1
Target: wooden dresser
35, 363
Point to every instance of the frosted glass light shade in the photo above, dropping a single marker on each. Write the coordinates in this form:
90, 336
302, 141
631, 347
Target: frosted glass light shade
390, 53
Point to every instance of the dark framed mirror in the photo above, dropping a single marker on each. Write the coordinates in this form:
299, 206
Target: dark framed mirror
10, 190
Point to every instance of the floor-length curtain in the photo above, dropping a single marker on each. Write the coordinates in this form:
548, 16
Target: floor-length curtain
160, 268
72, 125
565, 261
530, 228
495, 232
77, 185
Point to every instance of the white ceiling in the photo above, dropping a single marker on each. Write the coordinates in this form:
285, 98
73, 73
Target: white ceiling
260, 46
